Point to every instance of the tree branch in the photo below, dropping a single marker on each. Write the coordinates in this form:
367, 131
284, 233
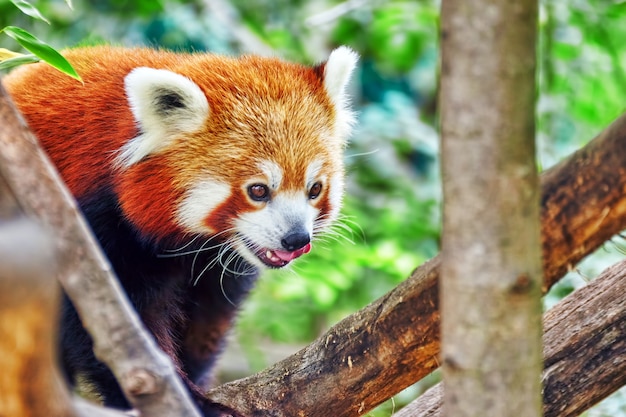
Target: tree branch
394, 342
583, 201
584, 350
585, 345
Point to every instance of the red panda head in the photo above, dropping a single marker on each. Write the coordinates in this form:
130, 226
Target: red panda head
251, 149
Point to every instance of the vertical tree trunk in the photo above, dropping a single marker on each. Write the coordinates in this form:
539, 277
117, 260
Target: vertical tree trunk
491, 269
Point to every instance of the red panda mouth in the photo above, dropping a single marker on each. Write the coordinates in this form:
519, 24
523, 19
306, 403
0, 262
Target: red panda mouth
278, 258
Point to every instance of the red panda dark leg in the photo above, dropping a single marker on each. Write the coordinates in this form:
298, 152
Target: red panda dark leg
212, 307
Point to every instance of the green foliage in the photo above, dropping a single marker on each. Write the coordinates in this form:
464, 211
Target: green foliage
30, 10
582, 74
395, 34
393, 197
39, 49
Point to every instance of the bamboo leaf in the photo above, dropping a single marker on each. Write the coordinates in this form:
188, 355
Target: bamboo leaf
42, 50
29, 9
16, 61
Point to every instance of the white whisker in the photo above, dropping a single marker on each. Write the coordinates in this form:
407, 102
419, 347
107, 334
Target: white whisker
186, 245
355, 155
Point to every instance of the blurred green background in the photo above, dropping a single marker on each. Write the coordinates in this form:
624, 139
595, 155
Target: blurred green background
391, 218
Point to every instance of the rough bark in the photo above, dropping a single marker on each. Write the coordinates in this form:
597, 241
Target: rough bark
586, 207
585, 345
345, 371
429, 404
583, 201
584, 350
145, 373
491, 255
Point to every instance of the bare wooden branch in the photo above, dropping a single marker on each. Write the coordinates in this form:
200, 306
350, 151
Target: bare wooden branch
368, 353
585, 345
120, 340
31, 385
429, 404
415, 324
586, 207
584, 350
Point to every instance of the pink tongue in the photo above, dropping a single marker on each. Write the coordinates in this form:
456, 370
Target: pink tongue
289, 256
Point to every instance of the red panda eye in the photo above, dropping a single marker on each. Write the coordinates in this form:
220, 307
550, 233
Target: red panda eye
315, 190
259, 192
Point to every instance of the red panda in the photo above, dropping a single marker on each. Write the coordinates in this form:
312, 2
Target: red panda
195, 172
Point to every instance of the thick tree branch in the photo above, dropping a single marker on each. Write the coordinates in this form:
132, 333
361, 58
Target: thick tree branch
585, 345
360, 361
394, 342
584, 350
120, 340
583, 201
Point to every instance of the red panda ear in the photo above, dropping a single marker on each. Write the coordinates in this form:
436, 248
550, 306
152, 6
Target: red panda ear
164, 105
337, 71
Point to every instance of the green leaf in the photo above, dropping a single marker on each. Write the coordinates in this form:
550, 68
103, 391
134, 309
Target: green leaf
17, 61
29, 9
69, 4
42, 50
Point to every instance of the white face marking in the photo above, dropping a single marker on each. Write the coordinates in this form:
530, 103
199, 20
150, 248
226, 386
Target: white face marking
273, 172
313, 173
265, 228
286, 212
199, 202
335, 196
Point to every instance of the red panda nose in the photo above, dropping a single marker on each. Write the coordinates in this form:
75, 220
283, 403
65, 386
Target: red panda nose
296, 240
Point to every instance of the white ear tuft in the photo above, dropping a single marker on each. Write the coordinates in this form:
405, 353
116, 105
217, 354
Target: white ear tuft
164, 105
337, 72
